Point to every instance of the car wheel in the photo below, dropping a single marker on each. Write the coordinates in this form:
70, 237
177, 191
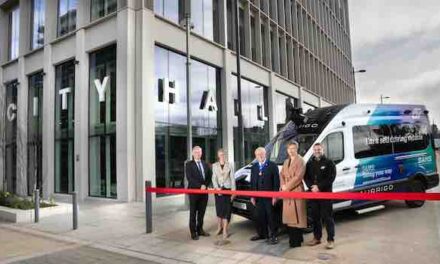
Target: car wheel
416, 186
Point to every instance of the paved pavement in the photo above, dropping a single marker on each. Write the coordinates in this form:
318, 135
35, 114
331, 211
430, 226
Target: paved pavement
25, 247
395, 235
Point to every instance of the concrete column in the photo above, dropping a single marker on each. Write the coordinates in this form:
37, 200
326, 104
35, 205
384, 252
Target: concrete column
22, 96
2, 128
271, 104
81, 139
125, 108
48, 116
145, 100
227, 105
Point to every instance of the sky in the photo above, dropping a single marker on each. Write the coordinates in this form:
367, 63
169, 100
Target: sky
398, 43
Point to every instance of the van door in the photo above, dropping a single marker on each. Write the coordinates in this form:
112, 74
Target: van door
336, 149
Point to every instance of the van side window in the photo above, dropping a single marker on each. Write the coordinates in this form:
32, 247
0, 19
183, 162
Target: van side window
334, 146
409, 137
371, 141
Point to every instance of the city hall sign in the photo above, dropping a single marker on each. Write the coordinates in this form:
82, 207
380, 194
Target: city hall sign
169, 93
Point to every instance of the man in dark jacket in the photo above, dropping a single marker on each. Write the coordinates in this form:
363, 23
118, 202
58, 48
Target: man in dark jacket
265, 177
199, 175
319, 177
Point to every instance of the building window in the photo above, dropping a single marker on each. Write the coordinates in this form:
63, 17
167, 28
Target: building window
334, 147
263, 45
101, 8
255, 118
254, 39
242, 33
204, 15
230, 24
66, 16
14, 33
38, 20
64, 127
102, 121
282, 104
11, 137
34, 147
171, 119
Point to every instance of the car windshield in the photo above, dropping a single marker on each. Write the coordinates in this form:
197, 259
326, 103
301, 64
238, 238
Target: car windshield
276, 149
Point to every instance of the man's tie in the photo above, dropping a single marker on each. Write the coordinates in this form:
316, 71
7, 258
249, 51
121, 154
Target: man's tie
199, 165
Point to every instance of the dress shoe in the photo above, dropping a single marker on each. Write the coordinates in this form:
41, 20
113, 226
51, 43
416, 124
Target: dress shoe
273, 240
313, 242
330, 245
203, 233
194, 237
257, 237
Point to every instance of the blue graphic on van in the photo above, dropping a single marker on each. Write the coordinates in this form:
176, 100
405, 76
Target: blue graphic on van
397, 146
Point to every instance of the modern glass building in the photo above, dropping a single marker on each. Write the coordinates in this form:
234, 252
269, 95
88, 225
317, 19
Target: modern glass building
93, 93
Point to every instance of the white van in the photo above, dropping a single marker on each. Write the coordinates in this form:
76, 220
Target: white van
376, 148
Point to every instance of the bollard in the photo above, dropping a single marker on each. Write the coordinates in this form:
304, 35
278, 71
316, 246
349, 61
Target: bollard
148, 208
75, 210
36, 205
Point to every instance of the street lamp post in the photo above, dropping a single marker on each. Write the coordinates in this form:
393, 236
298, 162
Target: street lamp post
383, 97
354, 80
241, 157
188, 26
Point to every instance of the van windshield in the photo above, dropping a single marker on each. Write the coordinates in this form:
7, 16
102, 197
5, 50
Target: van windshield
277, 147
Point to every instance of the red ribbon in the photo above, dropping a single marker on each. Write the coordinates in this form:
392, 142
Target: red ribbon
307, 195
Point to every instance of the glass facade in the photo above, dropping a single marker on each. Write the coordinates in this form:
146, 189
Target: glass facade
11, 137
66, 16
64, 127
34, 147
38, 20
204, 15
102, 123
14, 33
101, 8
281, 103
255, 118
170, 114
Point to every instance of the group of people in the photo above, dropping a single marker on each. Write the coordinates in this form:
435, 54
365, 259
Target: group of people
318, 175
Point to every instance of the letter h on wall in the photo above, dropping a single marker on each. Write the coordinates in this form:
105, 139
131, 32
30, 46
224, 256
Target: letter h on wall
168, 92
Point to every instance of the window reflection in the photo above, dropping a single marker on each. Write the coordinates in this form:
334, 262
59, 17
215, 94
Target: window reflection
11, 137
34, 147
66, 16
64, 127
14, 34
255, 121
170, 116
102, 122
101, 8
204, 15
38, 21
281, 103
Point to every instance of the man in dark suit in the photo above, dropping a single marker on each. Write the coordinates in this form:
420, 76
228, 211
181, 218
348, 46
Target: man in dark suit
265, 177
198, 175
319, 177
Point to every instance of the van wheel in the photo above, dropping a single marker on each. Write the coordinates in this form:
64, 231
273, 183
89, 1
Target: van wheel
416, 186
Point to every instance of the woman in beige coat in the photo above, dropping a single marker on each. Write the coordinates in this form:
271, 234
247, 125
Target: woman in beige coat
291, 180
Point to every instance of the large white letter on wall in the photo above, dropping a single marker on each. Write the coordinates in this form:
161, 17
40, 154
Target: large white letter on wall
209, 101
11, 112
101, 88
63, 92
168, 92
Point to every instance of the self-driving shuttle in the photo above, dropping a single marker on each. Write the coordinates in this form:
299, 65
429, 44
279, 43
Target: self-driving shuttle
376, 148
